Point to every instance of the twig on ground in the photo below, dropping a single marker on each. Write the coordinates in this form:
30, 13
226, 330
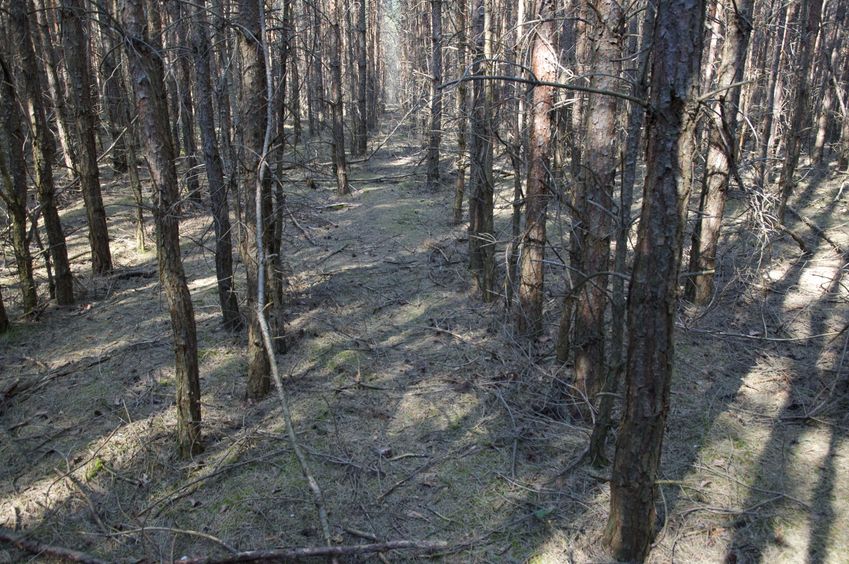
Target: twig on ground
34, 547
287, 554
189, 532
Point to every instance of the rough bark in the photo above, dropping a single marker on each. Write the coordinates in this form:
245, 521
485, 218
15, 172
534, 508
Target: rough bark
214, 171
42, 152
462, 111
721, 157
340, 165
435, 95
151, 102
75, 42
13, 185
362, 80
252, 102
594, 196
481, 236
531, 277
4, 319
632, 144
653, 295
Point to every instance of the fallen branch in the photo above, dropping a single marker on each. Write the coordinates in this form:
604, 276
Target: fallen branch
817, 230
286, 554
34, 547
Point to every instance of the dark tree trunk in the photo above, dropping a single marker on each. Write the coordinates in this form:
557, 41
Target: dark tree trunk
362, 79
252, 101
82, 107
721, 157
462, 111
13, 185
214, 171
436, 95
544, 68
145, 60
653, 295
481, 236
340, 165
42, 153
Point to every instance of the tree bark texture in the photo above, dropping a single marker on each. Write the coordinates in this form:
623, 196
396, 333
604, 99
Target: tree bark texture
148, 76
340, 165
531, 277
594, 197
252, 102
75, 41
653, 297
481, 236
13, 184
435, 95
42, 152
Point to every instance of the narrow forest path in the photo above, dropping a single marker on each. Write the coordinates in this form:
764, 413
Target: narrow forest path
422, 418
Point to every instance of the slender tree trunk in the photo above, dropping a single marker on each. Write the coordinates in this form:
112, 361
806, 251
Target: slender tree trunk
214, 171
340, 165
531, 277
13, 185
481, 236
252, 101
362, 80
721, 157
435, 95
42, 153
82, 106
765, 126
55, 88
594, 196
652, 302
112, 96
462, 112
145, 60
809, 16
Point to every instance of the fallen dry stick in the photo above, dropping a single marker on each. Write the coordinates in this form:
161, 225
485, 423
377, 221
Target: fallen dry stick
287, 554
33, 547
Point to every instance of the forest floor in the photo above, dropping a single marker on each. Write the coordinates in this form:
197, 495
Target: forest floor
422, 417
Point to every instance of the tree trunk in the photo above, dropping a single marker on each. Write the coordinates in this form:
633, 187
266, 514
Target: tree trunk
145, 60
594, 196
362, 80
42, 153
340, 165
632, 144
4, 319
252, 101
54, 84
481, 236
462, 111
809, 16
531, 278
721, 157
653, 296
765, 126
82, 108
435, 96
214, 172
13, 185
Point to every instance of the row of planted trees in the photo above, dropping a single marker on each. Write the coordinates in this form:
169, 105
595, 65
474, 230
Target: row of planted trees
213, 90
712, 94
